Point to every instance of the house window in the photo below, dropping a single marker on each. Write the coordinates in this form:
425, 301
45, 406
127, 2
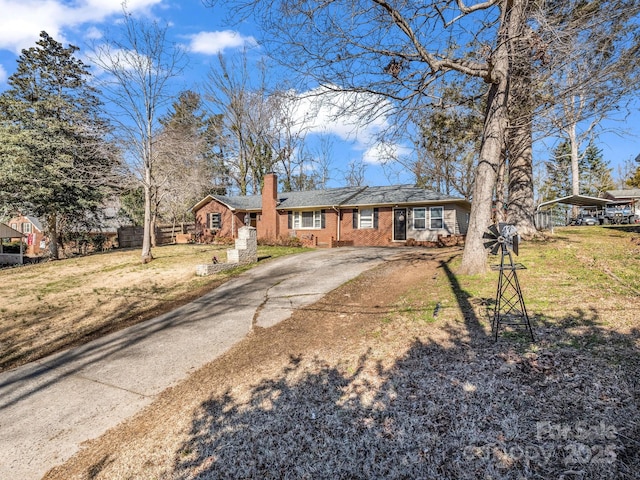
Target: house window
26, 228
214, 221
306, 220
14, 226
436, 214
419, 218
365, 218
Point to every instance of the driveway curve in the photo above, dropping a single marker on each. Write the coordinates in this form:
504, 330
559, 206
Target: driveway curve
49, 407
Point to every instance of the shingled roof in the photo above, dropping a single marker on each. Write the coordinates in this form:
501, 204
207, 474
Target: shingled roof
331, 197
398, 195
239, 202
337, 197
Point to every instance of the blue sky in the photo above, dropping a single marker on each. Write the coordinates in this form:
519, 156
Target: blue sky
204, 34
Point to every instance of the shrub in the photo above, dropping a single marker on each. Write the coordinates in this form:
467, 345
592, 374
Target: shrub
281, 241
98, 242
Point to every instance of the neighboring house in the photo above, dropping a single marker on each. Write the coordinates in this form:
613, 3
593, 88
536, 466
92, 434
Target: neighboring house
360, 216
630, 195
33, 233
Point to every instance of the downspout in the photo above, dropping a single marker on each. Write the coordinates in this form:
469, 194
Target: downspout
337, 209
338, 229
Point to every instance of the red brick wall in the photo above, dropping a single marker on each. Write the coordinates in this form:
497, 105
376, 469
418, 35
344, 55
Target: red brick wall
379, 237
230, 222
310, 237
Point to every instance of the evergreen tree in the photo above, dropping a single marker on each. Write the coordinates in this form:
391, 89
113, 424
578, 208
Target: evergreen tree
595, 176
55, 159
132, 205
558, 182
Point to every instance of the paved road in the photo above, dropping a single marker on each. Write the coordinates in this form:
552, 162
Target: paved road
49, 407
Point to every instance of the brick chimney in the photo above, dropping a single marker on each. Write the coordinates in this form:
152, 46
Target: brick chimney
269, 221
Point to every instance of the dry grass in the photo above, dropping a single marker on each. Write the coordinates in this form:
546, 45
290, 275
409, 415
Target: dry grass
374, 381
52, 306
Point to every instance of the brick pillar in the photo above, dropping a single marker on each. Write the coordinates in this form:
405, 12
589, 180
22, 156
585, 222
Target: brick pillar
268, 226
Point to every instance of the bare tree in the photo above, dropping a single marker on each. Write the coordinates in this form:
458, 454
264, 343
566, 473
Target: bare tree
288, 133
139, 65
397, 51
189, 164
246, 114
448, 141
354, 176
323, 155
596, 68
518, 151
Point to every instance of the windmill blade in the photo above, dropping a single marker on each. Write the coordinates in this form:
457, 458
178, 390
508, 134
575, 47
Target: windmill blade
492, 237
492, 232
491, 243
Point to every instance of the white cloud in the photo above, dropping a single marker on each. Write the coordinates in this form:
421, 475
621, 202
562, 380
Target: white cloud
93, 33
3, 74
22, 20
322, 111
211, 43
385, 152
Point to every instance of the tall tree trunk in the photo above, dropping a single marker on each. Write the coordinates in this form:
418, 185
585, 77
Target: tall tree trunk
149, 185
500, 213
52, 226
146, 235
575, 166
155, 209
474, 258
520, 211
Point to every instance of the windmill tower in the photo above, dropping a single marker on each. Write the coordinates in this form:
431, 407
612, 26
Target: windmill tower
510, 310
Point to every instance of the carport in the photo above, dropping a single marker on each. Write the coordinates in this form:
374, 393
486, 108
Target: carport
543, 219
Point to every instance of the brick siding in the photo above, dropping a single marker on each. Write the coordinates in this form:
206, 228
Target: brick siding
230, 223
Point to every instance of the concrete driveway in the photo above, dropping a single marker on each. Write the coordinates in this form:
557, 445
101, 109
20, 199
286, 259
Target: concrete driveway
49, 407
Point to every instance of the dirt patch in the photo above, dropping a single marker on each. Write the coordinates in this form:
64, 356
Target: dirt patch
359, 386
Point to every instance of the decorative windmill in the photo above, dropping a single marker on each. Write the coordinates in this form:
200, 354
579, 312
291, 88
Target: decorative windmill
503, 239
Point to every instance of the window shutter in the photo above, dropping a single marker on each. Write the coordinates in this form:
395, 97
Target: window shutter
355, 218
323, 221
290, 220
375, 218
209, 221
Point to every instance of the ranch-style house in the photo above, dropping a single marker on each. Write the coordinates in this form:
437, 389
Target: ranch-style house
358, 216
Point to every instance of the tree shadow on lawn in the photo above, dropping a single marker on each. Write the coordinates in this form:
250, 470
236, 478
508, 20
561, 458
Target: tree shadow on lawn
461, 408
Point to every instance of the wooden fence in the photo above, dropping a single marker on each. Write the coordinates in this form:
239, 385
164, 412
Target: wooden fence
130, 237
